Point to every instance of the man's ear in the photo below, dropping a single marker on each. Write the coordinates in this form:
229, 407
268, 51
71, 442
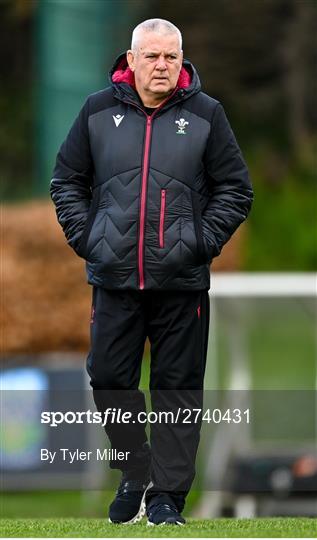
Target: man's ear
130, 59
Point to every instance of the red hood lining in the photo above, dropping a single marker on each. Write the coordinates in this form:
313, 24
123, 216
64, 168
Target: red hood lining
124, 74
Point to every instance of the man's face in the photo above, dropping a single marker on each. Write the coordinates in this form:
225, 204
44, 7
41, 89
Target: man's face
156, 64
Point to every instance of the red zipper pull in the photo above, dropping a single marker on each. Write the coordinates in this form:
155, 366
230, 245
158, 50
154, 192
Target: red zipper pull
162, 218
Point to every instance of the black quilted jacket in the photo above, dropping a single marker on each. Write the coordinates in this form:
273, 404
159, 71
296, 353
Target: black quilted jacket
148, 201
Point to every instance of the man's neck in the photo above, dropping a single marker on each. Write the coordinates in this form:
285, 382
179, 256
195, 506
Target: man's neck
153, 101
150, 106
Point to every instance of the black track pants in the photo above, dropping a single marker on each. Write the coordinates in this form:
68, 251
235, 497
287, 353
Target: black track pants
177, 324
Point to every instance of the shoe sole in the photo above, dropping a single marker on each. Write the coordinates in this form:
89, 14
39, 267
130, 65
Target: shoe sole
139, 515
150, 524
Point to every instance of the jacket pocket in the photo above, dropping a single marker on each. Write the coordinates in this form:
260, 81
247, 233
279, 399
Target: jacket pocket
82, 244
201, 251
162, 217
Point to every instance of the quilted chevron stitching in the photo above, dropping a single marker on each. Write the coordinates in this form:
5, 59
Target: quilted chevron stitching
116, 226
127, 207
121, 182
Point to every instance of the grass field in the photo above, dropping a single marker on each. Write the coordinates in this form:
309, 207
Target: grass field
100, 528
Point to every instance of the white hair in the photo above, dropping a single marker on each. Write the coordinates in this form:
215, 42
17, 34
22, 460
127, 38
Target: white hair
160, 26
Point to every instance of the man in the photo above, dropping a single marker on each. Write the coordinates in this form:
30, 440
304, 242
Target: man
149, 185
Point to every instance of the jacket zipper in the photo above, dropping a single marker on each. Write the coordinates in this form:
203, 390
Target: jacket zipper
145, 172
143, 198
162, 218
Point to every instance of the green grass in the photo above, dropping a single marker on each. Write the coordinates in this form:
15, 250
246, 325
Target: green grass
98, 528
65, 504
55, 504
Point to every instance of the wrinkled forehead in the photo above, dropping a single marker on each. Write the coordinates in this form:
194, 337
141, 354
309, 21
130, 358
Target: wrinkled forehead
157, 43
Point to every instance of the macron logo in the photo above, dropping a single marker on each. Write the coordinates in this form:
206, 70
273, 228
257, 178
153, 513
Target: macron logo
118, 119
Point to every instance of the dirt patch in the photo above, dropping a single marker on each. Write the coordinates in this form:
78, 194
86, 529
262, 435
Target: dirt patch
46, 301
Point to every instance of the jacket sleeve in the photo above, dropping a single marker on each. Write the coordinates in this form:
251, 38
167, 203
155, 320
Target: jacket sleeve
71, 183
231, 193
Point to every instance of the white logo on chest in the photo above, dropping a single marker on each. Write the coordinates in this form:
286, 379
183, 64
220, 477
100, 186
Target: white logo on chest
118, 119
182, 123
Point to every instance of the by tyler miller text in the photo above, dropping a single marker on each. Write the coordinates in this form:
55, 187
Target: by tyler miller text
73, 456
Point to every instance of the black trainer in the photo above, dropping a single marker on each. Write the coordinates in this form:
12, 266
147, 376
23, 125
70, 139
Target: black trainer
163, 513
129, 503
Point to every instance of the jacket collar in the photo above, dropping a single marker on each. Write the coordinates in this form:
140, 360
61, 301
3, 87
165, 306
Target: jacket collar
122, 80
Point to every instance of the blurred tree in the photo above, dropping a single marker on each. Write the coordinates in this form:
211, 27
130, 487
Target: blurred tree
16, 98
299, 54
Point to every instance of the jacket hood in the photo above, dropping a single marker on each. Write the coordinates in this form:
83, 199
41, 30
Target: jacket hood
121, 74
